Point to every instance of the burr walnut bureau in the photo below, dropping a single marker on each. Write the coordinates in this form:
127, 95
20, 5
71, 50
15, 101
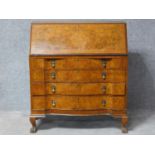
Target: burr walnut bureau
78, 69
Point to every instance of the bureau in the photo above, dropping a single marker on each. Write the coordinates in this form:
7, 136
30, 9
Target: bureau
78, 69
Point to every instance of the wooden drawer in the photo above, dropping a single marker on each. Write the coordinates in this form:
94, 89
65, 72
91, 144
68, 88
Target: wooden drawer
78, 89
86, 63
78, 103
85, 76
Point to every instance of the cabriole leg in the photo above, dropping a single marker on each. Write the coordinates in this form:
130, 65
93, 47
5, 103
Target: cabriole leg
124, 124
33, 122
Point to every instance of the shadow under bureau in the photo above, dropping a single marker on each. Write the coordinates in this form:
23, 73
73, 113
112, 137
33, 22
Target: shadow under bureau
78, 69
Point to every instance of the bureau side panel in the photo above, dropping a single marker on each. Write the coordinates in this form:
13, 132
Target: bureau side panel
126, 97
36, 66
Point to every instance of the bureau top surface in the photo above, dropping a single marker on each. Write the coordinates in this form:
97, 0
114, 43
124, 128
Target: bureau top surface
78, 38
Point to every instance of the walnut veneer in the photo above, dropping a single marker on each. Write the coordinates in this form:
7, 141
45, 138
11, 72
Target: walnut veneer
78, 69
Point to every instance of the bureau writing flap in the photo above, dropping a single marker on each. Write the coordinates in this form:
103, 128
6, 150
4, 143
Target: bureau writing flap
76, 38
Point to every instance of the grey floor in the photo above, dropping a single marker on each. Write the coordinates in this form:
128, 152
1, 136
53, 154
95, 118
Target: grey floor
16, 122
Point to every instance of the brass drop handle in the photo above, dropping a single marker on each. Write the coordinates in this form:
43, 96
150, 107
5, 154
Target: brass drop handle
53, 89
104, 103
53, 75
103, 75
104, 89
104, 63
53, 102
53, 63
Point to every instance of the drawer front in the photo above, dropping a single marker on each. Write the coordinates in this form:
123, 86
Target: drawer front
85, 76
78, 89
78, 103
86, 63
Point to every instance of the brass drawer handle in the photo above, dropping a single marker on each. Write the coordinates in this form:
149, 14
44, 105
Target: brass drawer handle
53, 75
103, 75
53, 63
104, 63
104, 103
104, 89
53, 102
53, 89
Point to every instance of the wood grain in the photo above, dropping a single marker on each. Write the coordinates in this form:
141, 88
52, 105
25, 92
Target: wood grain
85, 76
78, 102
90, 72
78, 89
57, 39
86, 63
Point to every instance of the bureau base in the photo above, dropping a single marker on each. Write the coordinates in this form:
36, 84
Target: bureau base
115, 114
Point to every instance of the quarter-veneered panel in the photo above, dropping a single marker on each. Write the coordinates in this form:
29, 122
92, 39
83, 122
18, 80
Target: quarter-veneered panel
86, 63
78, 38
85, 102
85, 76
78, 89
